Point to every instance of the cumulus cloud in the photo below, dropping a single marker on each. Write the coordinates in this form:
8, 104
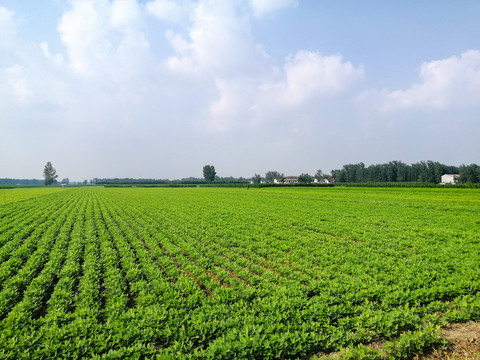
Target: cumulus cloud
262, 7
230, 109
167, 10
103, 36
310, 75
305, 78
219, 42
7, 26
217, 55
451, 83
18, 83
107, 84
54, 58
125, 15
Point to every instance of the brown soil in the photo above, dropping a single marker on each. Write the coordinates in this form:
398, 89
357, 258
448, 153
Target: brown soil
463, 344
463, 340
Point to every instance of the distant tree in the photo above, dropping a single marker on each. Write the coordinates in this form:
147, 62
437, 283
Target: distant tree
66, 181
469, 173
272, 175
394, 171
257, 179
305, 179
337, 175
321, 176
209, 173
49, 174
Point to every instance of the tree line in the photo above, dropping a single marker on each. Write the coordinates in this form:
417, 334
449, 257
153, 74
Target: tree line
397, 171
9, 181
393, 171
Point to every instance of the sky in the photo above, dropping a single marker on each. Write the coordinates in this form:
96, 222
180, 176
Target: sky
160, 88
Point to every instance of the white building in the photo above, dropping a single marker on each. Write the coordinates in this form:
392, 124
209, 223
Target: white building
450, 179
285, 181
323, 181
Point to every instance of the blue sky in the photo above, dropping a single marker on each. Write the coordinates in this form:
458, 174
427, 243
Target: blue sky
159, 88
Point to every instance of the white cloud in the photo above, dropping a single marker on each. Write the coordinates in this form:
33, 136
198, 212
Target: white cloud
179, 44
219, 43
310, 75
83, 31
107, 89
450, 83
233, 106
220, 48
166, 10
7, 26
125, 14
55, 58
18, 83
103, 37
262, 7
306, 78
109, 61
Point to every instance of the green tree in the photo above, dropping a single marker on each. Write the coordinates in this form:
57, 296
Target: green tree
209, 173
272, 175
319, 175
257, 179
49, 173
469, 173
305, 178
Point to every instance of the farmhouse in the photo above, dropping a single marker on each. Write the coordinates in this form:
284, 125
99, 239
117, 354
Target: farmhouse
450, 179
295, 181
323, 181
285, 181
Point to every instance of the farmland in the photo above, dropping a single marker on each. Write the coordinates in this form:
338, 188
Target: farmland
228, 273
19, 194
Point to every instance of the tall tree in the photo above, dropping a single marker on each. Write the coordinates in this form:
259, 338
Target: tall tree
209, 173
305, 178
257, 179
469, 173
319, 175
272, 175
49, 173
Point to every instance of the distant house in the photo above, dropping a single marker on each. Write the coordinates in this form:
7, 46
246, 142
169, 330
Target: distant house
323, 181
285, 181
450, 179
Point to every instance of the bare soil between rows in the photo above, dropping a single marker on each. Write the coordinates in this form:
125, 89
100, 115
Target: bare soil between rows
463, 344
463, 340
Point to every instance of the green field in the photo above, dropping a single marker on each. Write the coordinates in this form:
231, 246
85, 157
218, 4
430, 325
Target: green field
20, 194
224, 273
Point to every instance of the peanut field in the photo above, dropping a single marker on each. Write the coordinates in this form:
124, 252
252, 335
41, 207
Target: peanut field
231, 273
